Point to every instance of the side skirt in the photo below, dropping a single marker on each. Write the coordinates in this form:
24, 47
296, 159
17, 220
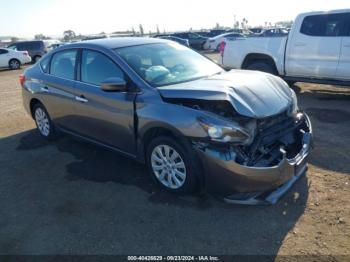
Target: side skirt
98, 143
317, 81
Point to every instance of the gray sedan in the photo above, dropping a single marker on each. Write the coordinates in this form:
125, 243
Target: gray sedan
239, 134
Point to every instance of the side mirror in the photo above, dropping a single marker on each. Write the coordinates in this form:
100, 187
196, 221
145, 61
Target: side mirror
114, 84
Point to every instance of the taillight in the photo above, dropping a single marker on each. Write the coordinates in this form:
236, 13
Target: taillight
25, 53
22, 79
222, 48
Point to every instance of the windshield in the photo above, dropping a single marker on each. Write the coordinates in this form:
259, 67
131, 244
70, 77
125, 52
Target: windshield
167, 63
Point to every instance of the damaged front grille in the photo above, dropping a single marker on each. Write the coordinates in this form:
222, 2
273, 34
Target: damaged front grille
276, 136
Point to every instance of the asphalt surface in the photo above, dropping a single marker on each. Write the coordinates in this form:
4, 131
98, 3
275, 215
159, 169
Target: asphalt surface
70, 197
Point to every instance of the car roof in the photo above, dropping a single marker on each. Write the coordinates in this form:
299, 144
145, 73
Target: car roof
325, 12
118, 42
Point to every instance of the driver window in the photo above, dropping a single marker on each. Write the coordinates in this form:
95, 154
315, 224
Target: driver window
96, 67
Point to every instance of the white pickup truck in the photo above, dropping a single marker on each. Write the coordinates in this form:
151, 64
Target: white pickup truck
317, 49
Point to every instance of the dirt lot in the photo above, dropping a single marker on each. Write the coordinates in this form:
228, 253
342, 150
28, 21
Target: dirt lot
69, 197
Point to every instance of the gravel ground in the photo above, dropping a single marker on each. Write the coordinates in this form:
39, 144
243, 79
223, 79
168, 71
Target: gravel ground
69, 197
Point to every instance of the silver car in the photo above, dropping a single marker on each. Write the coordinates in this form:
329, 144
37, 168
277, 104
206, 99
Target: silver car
238, 134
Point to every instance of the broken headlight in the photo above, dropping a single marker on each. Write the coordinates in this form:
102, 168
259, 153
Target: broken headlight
227, 133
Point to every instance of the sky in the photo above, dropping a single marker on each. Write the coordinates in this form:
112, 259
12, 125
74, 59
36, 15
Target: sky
25, 18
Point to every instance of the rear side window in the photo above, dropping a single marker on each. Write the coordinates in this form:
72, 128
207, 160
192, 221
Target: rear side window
325, 25
3, 51
63, 64
44, 64
347, 25
28, 46
96, 67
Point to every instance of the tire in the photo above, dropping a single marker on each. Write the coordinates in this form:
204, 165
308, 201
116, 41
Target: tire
263, 67
43, 122
36, 59
14, 64
162, 169
290, 83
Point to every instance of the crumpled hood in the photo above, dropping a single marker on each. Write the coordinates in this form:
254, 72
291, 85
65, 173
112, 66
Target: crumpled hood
251, 93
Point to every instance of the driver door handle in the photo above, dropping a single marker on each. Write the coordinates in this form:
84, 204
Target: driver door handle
81, 99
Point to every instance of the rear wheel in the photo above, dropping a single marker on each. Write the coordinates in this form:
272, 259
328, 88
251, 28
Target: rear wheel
14, 64
36, 59
43, 122
263, 67
171, 165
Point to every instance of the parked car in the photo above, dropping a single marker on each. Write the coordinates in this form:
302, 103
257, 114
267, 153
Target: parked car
13, 59
214, 42
211, 33
174, 38
196, 41
256, 30
239, 134
317, 49
36, 48
272, 32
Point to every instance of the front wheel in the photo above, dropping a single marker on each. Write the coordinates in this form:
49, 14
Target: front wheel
171, 165
43, 122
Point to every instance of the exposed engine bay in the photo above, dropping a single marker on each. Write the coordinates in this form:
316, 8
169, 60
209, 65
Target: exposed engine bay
275, 137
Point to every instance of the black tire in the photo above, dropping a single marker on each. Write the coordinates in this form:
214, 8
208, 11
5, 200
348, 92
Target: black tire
263, 67
192, 164
14, 64
36, 59
52, 134
290, 83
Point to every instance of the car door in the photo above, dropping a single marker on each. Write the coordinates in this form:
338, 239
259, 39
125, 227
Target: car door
4, 58
195, 40
314, 50
106, 117
343, 70
57, 86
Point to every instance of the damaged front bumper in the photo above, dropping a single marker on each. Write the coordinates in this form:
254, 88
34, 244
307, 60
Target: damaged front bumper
250, 185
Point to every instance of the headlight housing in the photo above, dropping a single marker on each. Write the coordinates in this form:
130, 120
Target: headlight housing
226, 133
294, 108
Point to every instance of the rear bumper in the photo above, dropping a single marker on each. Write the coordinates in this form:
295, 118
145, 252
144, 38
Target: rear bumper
253, 185
26, 60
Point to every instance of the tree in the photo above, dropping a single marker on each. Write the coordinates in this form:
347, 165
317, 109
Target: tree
217, 26
133, 31
14, 39
40, 37
68, 35
158, 31
141, 29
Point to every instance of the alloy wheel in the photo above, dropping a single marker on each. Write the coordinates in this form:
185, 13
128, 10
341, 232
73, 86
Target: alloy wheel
42, 122
14, 64
168, 166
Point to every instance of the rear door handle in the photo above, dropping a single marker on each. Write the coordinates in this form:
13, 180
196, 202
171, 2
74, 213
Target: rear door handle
347, 44
44, 89
300, 44
81, 99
